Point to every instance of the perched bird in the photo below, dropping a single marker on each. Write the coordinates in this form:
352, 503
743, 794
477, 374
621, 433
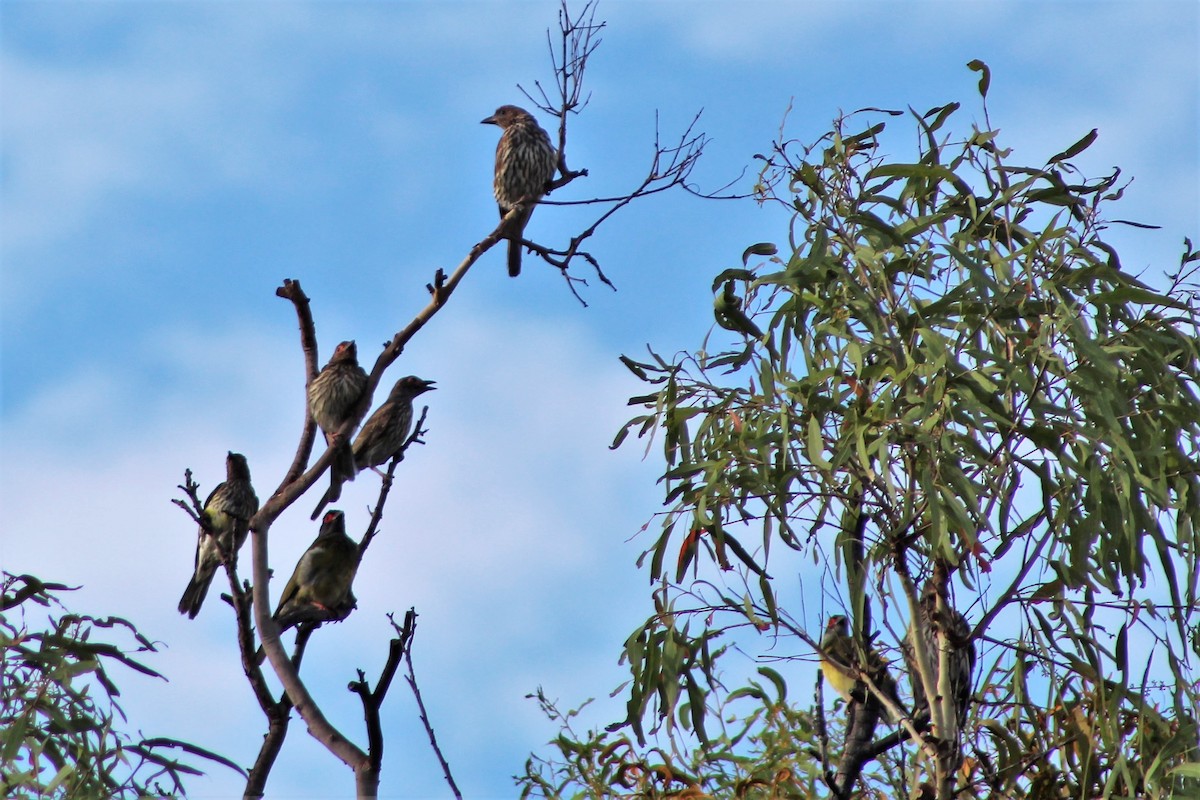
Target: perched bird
319, 589
387, 430
382, 436
838, 658
336, 390
525, 164
228, 511
332, 398
929, 629
839, 655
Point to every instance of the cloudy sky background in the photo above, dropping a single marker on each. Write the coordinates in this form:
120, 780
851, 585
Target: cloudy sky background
165, 165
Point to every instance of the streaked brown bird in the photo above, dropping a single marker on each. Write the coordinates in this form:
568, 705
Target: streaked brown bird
384, 434
332, 397
337, 388
525, 164
932, 629
228, 510
319, 589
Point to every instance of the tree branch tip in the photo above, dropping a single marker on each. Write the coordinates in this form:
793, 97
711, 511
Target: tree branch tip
290, 290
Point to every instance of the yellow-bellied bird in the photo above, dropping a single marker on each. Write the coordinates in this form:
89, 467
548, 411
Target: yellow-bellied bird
840, 658
228, 510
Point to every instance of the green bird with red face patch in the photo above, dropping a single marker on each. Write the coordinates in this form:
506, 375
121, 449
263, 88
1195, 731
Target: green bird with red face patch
319, 589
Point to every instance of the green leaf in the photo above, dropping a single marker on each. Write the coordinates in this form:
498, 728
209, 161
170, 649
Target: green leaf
777, 679
933, 172
760, 249
1189, 770
1075, 149
1132, 294
816, 444
985, 75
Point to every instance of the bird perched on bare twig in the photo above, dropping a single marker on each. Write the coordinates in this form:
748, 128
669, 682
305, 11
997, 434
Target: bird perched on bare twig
956, 632
384, 434
228, 511
332, 398
319, 589
525, 164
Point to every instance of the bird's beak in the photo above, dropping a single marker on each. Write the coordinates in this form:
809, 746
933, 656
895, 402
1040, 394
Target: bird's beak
429, 386
488, 120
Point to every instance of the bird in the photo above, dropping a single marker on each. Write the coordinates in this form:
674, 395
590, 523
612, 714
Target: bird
333, 396
319, 589
383, 435
336, 390
839, 657
525, 164
227, 510
928, 629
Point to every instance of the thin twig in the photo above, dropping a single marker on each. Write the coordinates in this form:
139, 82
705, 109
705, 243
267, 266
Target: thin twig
386, 485
290, 290
411, 678
193, 507
372, 700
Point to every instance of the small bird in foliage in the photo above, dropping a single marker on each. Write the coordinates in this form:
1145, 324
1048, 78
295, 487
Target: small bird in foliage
332, 398
930, 629
228, 511
525, 164
319, 589
839, 655
383, 435
839, 658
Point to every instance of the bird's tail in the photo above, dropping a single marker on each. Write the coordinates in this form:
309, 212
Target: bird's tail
514, 261
194, 594
343, 469
331, 494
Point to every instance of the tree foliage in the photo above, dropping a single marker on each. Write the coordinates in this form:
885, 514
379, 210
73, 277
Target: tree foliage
944, 383
61, 729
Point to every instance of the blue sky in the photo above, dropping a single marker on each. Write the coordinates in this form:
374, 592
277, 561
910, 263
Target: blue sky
165, 165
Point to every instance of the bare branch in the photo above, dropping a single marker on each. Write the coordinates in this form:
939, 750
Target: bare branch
410, 625
372, 700
440, 291
319, 727
578, 39
386, 486
278, 712
669, 167
193, 507
290, 290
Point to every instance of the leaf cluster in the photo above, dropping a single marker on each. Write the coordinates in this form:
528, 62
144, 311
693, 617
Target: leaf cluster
62, 727
945, 376
761, 753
